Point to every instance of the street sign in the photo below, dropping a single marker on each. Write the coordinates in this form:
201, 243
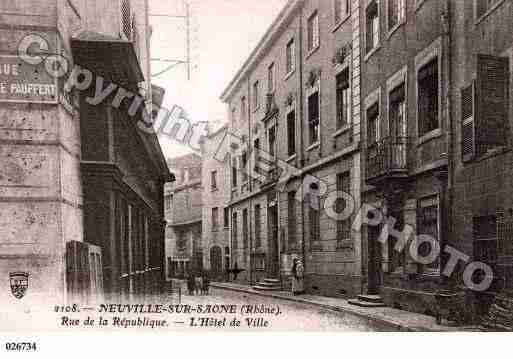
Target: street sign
23, 82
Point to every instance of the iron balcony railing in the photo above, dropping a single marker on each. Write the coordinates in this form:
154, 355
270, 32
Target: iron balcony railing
387, 157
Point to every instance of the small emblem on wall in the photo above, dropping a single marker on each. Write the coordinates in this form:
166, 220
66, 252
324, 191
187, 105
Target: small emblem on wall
19, 283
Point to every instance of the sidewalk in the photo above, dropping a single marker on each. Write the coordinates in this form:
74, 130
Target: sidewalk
396, 319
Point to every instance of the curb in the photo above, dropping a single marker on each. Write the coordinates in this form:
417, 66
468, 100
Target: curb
394, 326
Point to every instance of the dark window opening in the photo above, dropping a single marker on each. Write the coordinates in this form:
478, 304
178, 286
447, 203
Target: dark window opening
428, 97
372, 26
343, 99
291, 133
313, 117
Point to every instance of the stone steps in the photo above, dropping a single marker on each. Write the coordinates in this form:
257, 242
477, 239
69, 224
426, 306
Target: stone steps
367, 301
268, 284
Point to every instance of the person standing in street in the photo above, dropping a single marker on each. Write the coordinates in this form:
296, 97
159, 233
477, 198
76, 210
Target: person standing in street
297, 277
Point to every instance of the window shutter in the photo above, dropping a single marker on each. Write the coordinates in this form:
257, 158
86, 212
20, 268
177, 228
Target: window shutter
468, 145
491, 91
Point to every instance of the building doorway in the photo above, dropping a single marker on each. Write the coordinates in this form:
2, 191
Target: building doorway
273, 262
216, 262
374, 260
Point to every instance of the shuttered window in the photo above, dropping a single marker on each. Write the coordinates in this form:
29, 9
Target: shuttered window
491, 93
467, 123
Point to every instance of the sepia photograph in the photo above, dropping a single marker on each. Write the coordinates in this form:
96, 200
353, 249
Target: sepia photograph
199, 166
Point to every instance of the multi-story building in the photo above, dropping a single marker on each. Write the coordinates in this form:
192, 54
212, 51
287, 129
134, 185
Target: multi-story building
481, 100
296, 103
183, 207
215, 177
73, 171
406, 131
436, 127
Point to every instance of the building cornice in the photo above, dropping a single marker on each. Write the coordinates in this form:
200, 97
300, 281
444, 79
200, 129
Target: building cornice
264, 44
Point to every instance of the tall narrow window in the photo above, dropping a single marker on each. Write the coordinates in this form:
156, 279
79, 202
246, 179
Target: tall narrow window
270, 78
256, 95
290, 56
291, 133
245, 232
313, 31
343, 98
215, 218
258, 226
372, 26
243, 108
396, 12
492, 84
427, 82
271, 133
256, 144
234, 173
244, 168
373, 134
343, 226
313, 117
428, 223
226, 217
314, 216
213, 180
342, 10
291, 221
235, 243
397, 112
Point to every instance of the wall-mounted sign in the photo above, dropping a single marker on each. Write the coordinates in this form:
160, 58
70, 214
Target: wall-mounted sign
23, 82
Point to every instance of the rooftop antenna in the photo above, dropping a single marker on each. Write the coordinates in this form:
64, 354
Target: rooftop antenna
186, 17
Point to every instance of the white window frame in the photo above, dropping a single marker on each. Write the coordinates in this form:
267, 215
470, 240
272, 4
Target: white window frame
422, 59
373, 98
397, 79
291, 108
315, 31
310, 91
401, 21
256, 95
339, 68
291, 42
371, 51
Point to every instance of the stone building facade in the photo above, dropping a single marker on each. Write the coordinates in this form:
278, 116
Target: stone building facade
436, 78
183, 211
296, 103
77, 173
482, 112
215, 177
405, 88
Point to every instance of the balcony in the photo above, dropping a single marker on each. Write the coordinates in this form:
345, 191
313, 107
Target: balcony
387, 160
271, 176
271, 108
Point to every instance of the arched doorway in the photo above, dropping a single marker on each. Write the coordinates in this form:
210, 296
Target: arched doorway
216, 261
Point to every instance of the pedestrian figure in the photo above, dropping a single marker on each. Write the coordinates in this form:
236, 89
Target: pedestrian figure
235, 271
206, 283
297, 277
190, 284
198, 284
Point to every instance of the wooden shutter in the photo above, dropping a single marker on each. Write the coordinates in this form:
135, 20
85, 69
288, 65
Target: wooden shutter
491, 91
468, 144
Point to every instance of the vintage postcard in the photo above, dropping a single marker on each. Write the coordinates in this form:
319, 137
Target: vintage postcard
237, 165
